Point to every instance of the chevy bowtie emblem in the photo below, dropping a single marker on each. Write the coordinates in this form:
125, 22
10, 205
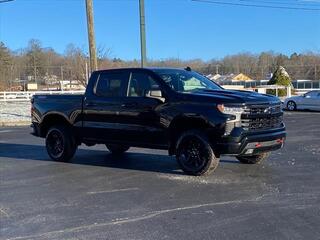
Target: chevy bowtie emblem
270, 110
267, 110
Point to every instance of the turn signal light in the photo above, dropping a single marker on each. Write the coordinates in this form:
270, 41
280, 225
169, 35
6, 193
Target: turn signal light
280, 140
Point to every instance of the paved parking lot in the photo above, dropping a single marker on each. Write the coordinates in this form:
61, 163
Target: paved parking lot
143, 195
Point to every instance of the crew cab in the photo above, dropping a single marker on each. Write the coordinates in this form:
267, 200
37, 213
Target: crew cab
178, 110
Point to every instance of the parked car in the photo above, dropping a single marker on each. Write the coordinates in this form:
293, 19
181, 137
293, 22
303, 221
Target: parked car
174, 109
307, 101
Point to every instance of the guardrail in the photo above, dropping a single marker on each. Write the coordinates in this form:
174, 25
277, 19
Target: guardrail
26, 96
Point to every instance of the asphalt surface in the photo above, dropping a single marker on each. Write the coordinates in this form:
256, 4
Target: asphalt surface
143, 195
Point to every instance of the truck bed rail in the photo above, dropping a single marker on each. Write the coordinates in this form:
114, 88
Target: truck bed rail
26, 96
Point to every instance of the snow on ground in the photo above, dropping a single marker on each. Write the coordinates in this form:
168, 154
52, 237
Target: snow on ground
15, 112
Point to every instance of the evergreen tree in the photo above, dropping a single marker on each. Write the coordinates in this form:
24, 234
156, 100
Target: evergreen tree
280, 77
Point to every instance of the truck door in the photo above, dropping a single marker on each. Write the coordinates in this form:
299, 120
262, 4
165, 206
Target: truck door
101, 108
141, 113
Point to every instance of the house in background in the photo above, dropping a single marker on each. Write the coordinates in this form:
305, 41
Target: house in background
229, 77
214, 77
241, 77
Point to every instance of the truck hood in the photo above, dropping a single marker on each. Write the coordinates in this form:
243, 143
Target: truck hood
235, 96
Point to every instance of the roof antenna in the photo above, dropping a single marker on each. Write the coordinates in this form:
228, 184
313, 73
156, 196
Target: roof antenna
188, 69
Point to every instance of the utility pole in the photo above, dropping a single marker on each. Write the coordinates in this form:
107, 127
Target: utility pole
61, 72
92, 43
142, 34
217, 69
87, 73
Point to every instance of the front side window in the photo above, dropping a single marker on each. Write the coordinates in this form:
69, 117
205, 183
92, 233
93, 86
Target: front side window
111, 84
186, 81
140, 83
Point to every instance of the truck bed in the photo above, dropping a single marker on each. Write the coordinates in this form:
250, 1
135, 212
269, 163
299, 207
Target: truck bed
68, 105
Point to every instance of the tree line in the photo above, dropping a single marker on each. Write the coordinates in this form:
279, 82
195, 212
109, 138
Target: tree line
39, 64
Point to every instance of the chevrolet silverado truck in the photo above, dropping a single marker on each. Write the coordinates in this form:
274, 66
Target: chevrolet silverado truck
178, 110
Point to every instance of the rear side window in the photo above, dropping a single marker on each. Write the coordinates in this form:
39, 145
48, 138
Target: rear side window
111, 84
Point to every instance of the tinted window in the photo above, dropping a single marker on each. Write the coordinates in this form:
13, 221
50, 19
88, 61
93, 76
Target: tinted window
140, 83
186, 81
111, 84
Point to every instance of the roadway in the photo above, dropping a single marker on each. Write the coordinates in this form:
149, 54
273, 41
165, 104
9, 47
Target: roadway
143, 195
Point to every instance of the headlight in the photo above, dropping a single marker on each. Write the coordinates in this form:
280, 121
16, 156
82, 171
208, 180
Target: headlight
237, 111
235, 120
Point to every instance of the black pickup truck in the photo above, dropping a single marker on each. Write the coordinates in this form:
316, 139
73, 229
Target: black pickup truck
175, 109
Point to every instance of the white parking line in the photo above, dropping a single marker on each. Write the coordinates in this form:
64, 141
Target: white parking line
5, 131
114, 190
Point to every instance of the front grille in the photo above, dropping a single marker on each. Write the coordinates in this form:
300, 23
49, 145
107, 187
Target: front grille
262, 117
263, 109
262, 123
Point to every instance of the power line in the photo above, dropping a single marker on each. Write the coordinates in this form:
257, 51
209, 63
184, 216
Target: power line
284, 3
4, 1
256, 5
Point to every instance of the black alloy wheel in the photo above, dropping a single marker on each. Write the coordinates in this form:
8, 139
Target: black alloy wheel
55, 143
195, 155
60, 143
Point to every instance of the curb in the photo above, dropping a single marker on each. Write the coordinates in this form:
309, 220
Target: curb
14, 124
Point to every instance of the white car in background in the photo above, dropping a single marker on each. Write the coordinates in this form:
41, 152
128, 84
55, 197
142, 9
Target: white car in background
307, 101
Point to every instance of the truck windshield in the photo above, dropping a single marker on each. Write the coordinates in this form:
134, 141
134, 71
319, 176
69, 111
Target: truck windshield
186, 81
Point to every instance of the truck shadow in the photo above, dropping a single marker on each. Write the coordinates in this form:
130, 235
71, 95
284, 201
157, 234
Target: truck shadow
130, 160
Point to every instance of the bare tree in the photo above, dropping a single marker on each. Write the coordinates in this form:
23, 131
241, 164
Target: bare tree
76, 62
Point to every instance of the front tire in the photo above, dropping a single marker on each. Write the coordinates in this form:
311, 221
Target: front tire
60, 143
195, 154
253, 159
117, 149
291, 106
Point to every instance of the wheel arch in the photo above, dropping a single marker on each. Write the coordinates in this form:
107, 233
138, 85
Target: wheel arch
183, 123
51, 119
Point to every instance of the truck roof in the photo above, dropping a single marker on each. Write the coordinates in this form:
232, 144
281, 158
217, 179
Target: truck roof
135, 68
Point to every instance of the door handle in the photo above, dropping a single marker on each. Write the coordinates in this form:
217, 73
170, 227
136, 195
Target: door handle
127, 105
91, 104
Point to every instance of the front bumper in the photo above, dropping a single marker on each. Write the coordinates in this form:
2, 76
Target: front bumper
252, 143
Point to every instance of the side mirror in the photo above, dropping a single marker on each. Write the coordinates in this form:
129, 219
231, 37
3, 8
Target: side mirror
157, 94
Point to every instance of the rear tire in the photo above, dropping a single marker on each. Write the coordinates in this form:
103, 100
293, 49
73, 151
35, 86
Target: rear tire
117, 149
195, 154
60, 143
291, 106
253, 159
